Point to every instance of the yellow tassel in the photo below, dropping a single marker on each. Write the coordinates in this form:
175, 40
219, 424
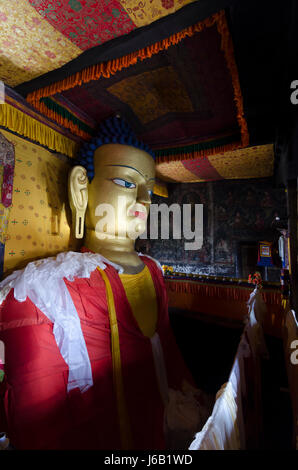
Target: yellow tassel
160, 190
107, 68
111, 67
285, 305
18, 122
197, 153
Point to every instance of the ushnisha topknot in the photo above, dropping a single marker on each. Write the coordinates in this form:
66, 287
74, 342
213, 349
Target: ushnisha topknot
113, 130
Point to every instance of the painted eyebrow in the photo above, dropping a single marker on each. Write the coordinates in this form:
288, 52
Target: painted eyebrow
132, 168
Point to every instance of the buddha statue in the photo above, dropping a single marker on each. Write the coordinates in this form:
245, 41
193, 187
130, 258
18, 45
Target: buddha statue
91, 360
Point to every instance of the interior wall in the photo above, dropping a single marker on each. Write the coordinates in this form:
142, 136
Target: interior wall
39, 219
38, 222
235, 212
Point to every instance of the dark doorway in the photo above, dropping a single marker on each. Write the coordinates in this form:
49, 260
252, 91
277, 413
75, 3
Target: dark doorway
247, 258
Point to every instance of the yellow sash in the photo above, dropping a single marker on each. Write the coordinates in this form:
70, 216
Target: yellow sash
124, 424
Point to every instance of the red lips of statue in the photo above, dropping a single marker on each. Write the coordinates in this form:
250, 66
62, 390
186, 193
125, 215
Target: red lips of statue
139, 214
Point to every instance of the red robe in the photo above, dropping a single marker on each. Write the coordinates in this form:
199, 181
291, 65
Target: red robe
39, 412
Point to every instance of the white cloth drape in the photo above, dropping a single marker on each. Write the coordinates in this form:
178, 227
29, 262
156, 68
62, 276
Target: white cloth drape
256, 314
225, 427
183, 414
42, 282
220, 431
291, 358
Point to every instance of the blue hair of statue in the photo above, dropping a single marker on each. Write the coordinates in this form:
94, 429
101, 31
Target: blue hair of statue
112, 131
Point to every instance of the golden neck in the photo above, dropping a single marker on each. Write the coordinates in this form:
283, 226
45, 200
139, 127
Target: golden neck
119, 251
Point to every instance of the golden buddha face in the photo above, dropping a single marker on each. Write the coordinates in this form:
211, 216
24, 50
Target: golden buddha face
119, 195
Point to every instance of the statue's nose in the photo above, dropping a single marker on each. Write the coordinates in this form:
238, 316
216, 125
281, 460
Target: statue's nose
143, 195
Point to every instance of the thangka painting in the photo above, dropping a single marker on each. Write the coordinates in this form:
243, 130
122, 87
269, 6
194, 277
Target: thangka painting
234, 212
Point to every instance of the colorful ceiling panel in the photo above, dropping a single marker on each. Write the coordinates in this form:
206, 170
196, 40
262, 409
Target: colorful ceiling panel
165, 91
38, 36
147, 11
29, 45
186, 75
250, 162
86, 23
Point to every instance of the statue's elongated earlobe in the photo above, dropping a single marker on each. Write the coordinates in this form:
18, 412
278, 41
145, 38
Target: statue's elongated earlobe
78, 198
79, 225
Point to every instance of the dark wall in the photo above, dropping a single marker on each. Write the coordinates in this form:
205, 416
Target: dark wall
235, 213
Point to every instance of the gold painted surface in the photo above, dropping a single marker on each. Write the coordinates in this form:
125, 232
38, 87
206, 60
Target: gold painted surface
141, 295
146, 11
175, 172
29, 45
39, 218
118, 202
4, 213
251, 162
153, 94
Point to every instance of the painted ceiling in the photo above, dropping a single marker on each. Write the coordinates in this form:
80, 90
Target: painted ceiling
194, 79
38, 36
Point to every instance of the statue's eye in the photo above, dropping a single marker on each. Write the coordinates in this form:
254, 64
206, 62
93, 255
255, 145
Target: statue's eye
124, 183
